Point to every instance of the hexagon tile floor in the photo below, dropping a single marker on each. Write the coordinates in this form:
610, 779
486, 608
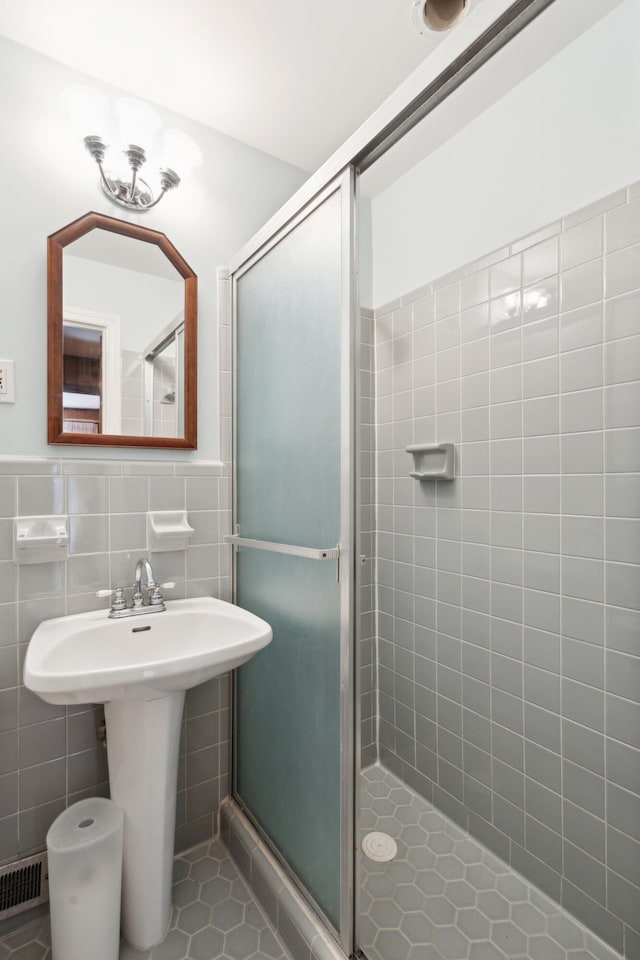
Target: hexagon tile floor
214, 916
445, 897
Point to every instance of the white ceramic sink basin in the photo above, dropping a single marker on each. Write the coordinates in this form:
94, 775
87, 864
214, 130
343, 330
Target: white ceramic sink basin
88, 658
140, 667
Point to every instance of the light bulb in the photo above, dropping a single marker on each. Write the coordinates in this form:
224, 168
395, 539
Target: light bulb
88, 111
139, 123
180, 153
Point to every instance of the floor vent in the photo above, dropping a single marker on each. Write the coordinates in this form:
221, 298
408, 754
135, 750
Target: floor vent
23, 885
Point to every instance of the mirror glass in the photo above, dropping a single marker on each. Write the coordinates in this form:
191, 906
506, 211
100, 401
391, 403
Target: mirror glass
123, 340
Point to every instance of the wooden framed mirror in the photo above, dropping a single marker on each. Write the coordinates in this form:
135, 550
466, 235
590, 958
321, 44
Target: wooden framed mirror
122, 337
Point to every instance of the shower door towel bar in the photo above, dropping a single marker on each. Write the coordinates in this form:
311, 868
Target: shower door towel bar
323, 553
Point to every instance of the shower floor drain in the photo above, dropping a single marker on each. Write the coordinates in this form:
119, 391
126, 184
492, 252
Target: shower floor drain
379, 846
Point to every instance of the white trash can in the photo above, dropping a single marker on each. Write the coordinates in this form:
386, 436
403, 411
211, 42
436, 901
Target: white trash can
84, 846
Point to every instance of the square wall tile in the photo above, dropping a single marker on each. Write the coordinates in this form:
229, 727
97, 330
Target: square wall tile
474, 289
88, 495
474, 323
40, 496
622, 271
622, 226
581, 369
540, 261
89, 534
621, 316
167, 493
582, 243
506, 276
540, 339
581, 285
582, 327
540, 300
622, 360
8, 496
129, 494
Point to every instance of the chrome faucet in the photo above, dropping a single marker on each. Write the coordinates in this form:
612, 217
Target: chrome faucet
155, 604
143, 565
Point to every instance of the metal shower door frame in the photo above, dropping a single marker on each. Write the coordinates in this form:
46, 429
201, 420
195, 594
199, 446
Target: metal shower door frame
345, 184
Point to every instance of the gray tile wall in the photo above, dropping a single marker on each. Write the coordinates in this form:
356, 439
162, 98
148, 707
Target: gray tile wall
132, 394
49, 756
165, 421
509, 599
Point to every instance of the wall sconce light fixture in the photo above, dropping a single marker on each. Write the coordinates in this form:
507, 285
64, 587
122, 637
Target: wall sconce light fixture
138, 124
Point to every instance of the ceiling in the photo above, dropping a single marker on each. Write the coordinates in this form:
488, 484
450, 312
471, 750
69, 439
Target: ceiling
116, 250
292, 77
557, 27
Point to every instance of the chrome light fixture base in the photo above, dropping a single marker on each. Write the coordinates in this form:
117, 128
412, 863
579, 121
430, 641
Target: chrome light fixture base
119, 191
134, 194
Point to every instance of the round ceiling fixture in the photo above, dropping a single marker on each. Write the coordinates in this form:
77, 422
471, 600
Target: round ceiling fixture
437, 14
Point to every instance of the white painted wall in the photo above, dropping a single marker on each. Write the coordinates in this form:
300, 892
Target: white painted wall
563, 137
145, 303
364, 246
50, 180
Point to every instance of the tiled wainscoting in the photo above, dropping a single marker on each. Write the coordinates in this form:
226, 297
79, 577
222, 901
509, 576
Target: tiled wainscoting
49, 756
509, 599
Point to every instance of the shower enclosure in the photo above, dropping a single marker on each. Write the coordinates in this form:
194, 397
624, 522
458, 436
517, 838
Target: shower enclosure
455, 662
294, 535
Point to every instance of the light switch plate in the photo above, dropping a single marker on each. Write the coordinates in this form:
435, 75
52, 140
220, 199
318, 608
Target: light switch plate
7, 382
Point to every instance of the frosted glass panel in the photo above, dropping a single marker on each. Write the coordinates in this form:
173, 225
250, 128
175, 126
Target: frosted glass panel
288, 448
288, 386
288, 708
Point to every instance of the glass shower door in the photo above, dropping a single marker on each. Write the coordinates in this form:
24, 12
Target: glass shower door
294, 558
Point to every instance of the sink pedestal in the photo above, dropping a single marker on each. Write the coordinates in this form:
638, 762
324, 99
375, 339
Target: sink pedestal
143, 742
140, 667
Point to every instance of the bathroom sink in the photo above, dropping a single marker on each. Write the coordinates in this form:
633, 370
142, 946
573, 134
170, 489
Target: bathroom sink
140, 667
88, 658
